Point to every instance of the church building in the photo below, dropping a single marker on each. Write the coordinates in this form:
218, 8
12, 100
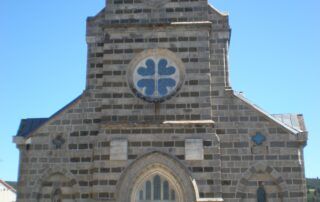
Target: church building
158, 120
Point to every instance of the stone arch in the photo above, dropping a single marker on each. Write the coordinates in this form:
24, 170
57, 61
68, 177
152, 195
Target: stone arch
47, 183
269, 172
156, 162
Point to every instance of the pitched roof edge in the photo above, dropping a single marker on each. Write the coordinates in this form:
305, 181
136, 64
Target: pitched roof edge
293, 120
74, 101
32, 124
99, 14
269, 116
8, 186
216, 10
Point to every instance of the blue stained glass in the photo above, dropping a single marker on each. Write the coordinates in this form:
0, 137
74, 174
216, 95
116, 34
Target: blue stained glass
149, 70
258, 138
148, 84
156, 81
163, 84
163, 69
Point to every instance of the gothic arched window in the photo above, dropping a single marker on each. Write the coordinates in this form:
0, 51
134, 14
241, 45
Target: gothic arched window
261, 194
156, 188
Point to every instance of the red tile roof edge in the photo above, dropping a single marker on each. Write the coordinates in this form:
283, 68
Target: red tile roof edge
7, 186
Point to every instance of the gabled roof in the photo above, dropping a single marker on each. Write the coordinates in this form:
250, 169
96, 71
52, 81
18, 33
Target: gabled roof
281, 119
27, 126
7, 186
295, 121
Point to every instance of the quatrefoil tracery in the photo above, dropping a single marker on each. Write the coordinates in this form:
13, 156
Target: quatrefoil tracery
157, 79
155, 75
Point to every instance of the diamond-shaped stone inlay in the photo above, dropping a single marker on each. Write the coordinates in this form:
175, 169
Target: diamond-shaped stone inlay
258, 139
58, 142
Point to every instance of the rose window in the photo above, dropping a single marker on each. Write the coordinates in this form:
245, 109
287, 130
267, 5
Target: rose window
156, 77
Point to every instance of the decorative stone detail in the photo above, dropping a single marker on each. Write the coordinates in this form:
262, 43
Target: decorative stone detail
258, 139
119, 150
58, 142
155, 75
258, 173
194, 149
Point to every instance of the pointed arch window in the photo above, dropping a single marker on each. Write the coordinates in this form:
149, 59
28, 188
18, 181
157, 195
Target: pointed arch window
165, 190
156, 189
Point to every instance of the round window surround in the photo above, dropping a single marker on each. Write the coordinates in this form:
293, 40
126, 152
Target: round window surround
155, 75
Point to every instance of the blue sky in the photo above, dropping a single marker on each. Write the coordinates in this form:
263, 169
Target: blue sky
274, 60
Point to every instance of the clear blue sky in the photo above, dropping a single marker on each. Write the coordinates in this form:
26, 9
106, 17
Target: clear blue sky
274, 58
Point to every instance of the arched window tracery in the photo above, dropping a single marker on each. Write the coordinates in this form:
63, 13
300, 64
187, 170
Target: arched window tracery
156, 189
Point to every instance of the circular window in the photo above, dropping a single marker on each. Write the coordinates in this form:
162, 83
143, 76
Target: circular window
155, 75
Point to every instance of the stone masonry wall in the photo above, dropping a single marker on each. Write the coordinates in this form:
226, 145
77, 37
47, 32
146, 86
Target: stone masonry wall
87, 149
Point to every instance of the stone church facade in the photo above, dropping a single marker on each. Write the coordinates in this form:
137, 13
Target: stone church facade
158, 119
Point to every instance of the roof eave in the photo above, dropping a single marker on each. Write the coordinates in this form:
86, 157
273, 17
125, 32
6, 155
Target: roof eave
8, 186
22, 139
